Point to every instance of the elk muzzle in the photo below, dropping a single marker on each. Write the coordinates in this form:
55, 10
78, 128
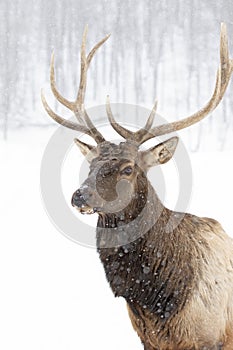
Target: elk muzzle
80, 201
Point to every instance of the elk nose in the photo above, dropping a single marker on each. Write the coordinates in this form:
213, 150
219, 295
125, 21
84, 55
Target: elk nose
77, 199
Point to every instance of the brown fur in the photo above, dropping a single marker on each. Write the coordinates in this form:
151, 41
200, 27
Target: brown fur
194, 264
175, 270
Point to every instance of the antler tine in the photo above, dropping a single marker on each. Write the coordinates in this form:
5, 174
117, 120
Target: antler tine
140, 134
136, 136
67, 123
225, 62
223, 77
85, 62
95, 48
83, 72
56, 93
125, 133
77, 107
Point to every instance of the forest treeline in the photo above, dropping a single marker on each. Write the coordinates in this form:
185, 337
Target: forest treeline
165, 49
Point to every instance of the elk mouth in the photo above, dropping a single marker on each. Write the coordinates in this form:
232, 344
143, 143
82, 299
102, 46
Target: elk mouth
86, 210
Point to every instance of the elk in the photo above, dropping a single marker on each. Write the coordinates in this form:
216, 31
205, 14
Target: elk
175, 270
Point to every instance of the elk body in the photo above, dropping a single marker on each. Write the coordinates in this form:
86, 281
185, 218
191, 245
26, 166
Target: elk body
175, 270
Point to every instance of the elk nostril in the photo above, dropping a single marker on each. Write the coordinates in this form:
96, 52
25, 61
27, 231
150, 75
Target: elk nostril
77, 199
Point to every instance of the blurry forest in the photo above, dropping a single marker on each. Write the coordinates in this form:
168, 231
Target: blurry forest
165, 49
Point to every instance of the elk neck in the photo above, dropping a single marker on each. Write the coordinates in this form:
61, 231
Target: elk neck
141, 262
134, 221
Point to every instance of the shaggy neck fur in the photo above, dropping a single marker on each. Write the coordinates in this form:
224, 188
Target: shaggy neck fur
146, 262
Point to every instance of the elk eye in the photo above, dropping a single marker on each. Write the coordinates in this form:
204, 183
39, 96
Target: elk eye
127, 171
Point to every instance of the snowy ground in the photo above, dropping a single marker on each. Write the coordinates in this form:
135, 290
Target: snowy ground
53, 292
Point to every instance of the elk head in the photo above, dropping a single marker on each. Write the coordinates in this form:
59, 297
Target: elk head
118, 171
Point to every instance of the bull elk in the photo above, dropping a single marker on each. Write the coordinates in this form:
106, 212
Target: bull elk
175, 270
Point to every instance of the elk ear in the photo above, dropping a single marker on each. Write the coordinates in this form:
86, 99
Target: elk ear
160, 153
88, 151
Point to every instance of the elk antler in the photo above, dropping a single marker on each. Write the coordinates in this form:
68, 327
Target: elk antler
223, 77
127, 134
85, 124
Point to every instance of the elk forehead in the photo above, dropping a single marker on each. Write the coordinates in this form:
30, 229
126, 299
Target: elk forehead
125, 150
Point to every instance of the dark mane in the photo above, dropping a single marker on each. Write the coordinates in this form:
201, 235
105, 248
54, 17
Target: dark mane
156, 271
